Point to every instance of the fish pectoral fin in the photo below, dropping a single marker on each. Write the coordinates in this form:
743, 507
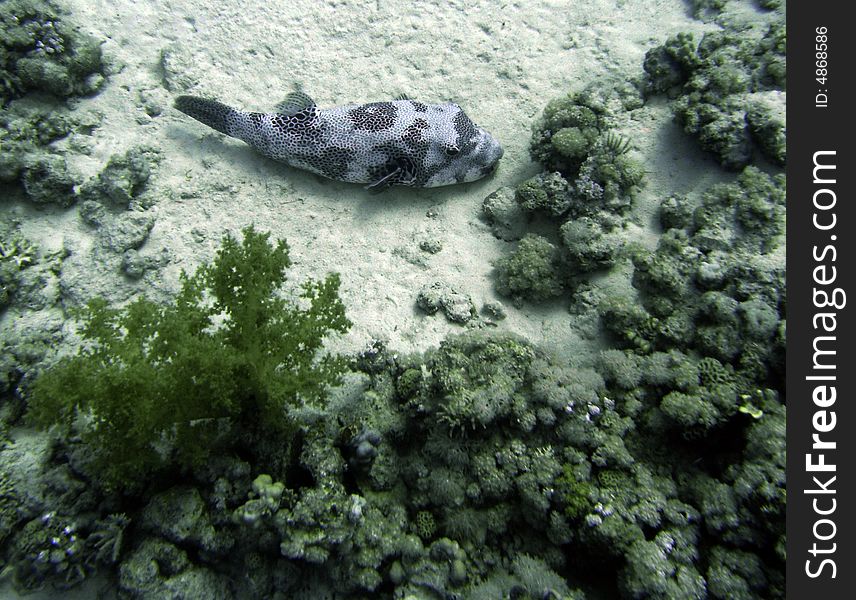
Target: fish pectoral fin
294, 103
376, 187
400, 170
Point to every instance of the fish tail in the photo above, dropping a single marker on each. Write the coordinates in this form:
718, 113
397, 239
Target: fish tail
210, 112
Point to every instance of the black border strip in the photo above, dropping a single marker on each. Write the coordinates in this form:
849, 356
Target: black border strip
821, 364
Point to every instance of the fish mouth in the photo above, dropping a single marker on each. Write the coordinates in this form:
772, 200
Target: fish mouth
495, 152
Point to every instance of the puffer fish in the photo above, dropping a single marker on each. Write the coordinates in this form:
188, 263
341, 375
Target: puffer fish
380, 144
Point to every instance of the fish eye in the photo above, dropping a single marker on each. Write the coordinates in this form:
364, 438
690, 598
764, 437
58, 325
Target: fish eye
452, 150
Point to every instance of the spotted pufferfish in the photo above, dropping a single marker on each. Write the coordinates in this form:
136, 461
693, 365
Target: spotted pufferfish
380, 144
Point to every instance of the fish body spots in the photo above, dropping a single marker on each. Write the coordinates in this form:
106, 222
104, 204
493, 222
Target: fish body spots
400, 142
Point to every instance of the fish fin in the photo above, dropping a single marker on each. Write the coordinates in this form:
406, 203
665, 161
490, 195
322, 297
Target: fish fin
210, 112
294, 103
385, 182
402, 96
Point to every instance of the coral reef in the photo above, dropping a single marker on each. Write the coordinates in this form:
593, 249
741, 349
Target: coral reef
43, 57
468, 471
29, 157
589, 245
703, 363
470, 433
123, 179
211, 446
41, 544
728, 89
708, 287
587, 162
586, 190
41, 53
16, 254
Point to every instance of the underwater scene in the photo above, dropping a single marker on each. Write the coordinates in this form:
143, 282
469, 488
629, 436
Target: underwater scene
338, 299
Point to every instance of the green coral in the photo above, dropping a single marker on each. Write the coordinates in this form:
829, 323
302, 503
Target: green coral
265, 499
575, 495
48, 179
672, 63
577, 127
710, 286
425, 524
589, 246
766, 120
587, 190
574, 140
483, 453
181, 516
28, 158
347, 533
707, 318
532, 272
158, 569
734, 574
608, 179
727, 509
10, 504
537, 579
157, 385
621, 369
653, 571
571, 143
41, 53
474, 379
712, 81
675, 212
690, 412
547, 192
629, 323
50, 547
